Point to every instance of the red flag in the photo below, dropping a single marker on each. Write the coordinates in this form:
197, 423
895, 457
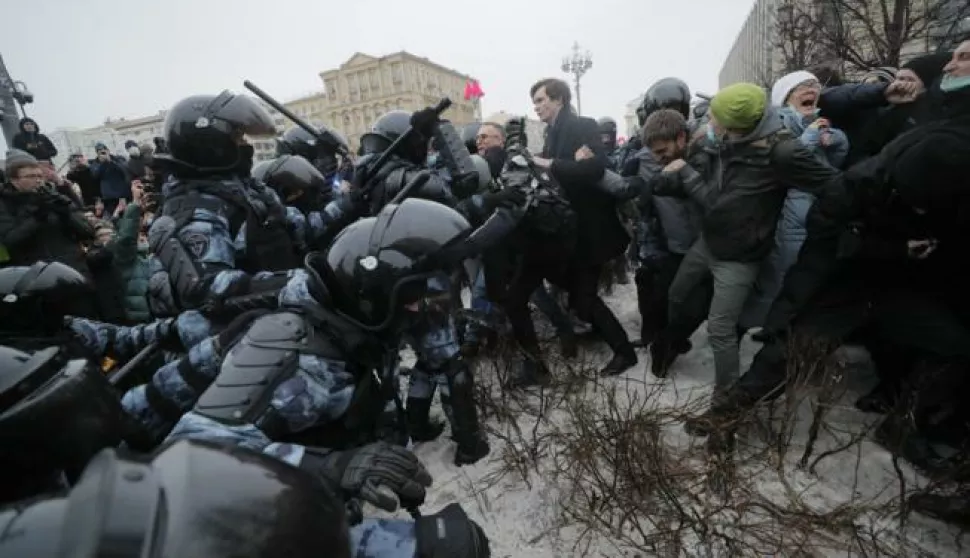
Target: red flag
473, 90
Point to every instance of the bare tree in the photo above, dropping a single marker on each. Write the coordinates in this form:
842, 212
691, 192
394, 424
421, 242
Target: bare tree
865, 34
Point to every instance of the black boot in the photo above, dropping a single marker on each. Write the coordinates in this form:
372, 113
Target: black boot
472, 444
420, 426
622, 361
531, 372
876, 401
663, 353
953, 509
899, 436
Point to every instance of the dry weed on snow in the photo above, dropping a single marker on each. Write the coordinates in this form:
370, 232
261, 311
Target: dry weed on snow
602, 467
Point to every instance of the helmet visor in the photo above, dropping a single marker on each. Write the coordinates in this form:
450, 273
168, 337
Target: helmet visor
244, 115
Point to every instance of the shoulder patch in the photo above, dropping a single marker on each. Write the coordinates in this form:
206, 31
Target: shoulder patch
197, 244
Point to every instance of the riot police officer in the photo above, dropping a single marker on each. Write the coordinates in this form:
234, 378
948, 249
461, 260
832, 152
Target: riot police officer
469, 136
55, 414
666, 230
607, 128
199, 500
218, 231
325, 156
320, 371
305, 191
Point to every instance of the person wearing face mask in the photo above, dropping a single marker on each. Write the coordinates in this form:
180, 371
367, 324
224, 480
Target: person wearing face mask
198, 235
886, 256
137, 160
759, 162
796, 97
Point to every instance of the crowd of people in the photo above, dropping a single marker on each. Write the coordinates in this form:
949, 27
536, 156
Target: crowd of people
197, 338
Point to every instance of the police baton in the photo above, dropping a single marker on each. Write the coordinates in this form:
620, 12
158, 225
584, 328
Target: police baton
321, 135
143, 355
385, 155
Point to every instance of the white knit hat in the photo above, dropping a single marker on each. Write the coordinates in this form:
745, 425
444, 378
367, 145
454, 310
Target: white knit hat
785, 84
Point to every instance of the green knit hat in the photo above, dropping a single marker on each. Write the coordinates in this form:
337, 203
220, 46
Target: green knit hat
739, 106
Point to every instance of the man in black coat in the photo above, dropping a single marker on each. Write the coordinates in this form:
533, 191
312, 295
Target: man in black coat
601, 236
36, 222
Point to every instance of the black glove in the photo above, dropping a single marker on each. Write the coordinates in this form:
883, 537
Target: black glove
380, 473
450, 533
507, 197
424, 121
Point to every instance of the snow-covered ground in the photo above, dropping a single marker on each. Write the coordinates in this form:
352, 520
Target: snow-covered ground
524, 518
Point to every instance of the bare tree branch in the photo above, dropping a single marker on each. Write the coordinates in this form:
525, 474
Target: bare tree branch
864, 34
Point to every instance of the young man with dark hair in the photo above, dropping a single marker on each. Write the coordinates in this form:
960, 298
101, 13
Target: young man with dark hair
601, 237
676, 224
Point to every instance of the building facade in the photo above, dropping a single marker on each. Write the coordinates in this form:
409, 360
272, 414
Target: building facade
753, 57
69, 141
139, 130
365, 87
535, 130
630, 122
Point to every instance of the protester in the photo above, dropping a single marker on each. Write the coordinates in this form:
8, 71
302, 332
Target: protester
32, 141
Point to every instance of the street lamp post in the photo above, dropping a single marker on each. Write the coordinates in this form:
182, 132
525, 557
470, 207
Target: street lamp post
577, 64
9, 117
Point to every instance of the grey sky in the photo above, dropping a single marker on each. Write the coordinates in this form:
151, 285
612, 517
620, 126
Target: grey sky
87, 60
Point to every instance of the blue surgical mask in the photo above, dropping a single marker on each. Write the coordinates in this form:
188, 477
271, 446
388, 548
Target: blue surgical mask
432, 160
711, 134
143, 247
950, 84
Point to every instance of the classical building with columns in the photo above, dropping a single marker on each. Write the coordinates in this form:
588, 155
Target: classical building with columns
365, 87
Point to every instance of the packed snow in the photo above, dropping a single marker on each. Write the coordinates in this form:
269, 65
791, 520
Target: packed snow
524, 518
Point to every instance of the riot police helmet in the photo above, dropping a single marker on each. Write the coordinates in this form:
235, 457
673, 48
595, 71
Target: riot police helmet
208, 133
294, 179
297, 141
36, 298
606, 125
667, 93
58, 413
379, 265
699, 112
469, 136
191, 500
607, 129
389, 128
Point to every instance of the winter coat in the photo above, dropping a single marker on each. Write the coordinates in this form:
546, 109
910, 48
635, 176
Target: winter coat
35, 143
90, 188
861, 233
601, 235
134, 268
42, 225
677, 219
854, 108
112, 177
136, 167
791, 231
746, 198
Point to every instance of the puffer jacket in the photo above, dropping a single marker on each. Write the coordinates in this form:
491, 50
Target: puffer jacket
791, 231
133, 268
